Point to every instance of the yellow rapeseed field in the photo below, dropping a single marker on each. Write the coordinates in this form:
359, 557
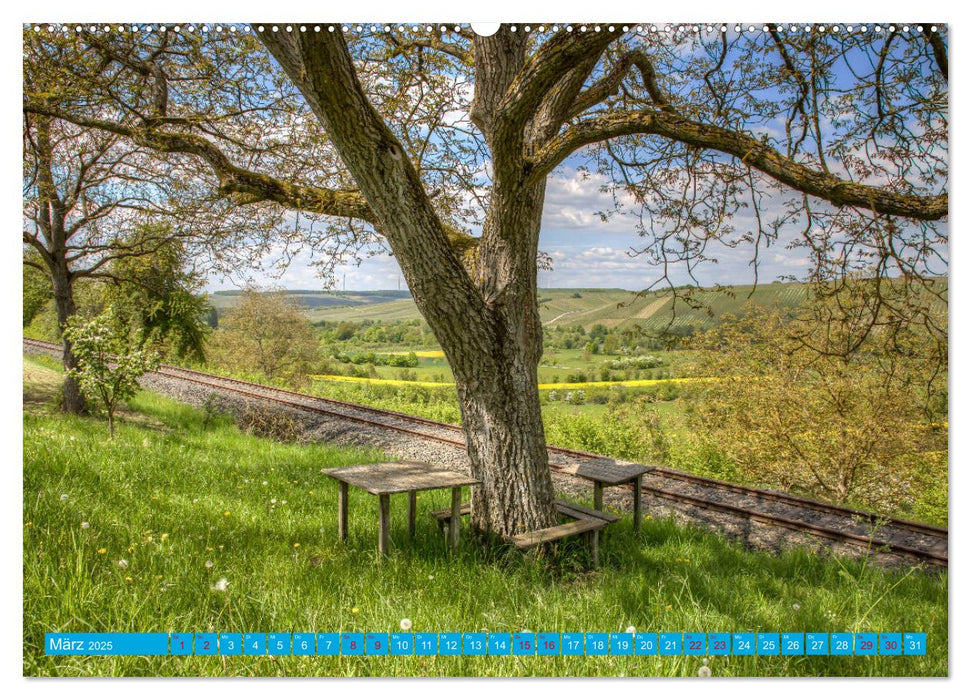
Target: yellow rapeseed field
390, 382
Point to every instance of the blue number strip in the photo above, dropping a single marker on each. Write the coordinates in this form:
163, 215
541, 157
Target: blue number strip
492, 644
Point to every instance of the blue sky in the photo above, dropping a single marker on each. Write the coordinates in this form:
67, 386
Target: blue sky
586, 252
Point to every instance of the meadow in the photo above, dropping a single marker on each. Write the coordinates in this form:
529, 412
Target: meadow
137, 534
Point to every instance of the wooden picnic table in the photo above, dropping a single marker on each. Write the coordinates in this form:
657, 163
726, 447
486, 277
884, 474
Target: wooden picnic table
387, 478
613, 472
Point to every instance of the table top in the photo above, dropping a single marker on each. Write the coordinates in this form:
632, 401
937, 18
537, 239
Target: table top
609, 471
400, 477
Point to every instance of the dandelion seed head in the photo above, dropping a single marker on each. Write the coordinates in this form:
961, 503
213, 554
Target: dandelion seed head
704, 672
85, 525
64, 497
631, 629
208, 563
222, 585
406, 624
122, 563
795, 606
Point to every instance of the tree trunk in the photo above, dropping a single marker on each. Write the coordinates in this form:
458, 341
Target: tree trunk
72, 400
501, 409
507, 450
488, 321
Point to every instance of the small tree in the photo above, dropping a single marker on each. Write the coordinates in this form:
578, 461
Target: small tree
265, 333
109, 363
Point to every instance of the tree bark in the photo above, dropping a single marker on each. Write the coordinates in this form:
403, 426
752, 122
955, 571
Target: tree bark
72, 400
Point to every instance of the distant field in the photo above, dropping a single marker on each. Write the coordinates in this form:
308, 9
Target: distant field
614, 308
586, 307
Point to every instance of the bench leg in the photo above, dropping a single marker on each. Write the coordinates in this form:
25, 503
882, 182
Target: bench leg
456, 519
412, 509
595, 548
598, 495
384, 523
341, 510
637, 505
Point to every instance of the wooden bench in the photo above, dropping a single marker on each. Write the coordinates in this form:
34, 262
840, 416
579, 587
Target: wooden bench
584, 520
593, 526
606, 471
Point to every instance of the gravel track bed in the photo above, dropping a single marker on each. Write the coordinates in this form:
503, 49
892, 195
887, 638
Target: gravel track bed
314, 426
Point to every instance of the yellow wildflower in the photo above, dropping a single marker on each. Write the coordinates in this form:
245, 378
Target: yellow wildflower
102, 551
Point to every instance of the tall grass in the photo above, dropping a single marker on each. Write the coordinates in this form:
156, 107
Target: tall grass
172, 493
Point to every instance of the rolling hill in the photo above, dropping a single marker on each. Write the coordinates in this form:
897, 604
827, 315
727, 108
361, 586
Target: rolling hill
614, 308
586, 307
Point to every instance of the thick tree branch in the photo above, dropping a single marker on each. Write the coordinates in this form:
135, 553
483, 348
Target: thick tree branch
248, 186
609, 84
252, 186
544, 69
749, 150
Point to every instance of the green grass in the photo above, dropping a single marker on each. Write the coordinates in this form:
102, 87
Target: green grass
157, 497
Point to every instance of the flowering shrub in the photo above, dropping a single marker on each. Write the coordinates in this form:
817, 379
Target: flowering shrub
576, 398
109, 363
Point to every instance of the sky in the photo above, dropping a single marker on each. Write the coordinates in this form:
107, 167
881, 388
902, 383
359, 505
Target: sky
586, 252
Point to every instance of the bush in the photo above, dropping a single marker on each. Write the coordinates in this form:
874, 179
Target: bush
268, 423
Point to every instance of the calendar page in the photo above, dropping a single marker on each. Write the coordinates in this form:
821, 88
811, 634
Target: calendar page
514, 349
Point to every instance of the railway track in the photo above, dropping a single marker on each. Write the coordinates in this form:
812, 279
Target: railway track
910, 540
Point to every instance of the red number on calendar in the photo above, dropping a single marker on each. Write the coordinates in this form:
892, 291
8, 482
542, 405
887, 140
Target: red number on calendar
205, 645
719, 645
377, 645
695, 645
866, 645
892, 645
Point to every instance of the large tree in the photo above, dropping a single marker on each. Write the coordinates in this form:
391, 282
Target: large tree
421, 135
